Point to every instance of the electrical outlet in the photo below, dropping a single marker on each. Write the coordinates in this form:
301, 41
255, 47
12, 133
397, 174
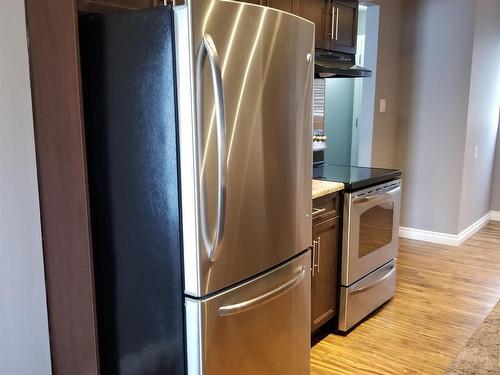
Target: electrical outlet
476, 152
382, 105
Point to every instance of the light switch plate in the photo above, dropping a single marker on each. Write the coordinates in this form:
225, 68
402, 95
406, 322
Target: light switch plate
476, 152
382, 105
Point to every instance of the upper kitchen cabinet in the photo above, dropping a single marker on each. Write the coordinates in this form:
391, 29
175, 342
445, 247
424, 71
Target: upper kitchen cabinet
318, 12
336, 23
344, 29
258, 2
285, 5
108, 6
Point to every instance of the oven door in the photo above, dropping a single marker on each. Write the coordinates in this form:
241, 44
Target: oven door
371, 227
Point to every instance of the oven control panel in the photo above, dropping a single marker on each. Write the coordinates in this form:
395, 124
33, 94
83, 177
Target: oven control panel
377, 190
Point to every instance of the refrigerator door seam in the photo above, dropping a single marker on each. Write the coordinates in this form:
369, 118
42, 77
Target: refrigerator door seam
189, 202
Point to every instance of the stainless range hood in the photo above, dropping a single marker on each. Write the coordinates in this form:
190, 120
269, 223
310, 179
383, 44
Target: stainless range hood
330, 64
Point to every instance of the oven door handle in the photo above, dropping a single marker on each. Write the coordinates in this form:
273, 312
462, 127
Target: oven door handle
382, 194
376, 282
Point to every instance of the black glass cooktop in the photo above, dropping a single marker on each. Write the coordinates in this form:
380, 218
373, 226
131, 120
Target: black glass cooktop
354, 178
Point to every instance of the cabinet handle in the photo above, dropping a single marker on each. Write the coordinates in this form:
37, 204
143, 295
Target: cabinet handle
333, 17
313, 257
317, 211
337, 25
319, 253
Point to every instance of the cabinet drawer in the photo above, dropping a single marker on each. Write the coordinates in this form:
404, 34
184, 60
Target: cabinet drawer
326, 207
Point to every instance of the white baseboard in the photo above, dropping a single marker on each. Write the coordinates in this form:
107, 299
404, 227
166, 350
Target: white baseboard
446, 238
429, 236
495, 215
474, 228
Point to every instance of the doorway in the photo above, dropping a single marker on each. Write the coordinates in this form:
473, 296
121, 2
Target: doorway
350, 102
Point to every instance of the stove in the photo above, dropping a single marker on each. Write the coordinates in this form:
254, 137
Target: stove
371, 209
354, 178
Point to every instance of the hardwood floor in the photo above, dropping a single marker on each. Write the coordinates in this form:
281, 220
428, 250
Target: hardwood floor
443, 294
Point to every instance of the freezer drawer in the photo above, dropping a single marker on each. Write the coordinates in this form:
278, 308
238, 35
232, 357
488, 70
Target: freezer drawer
260, 327
364, 296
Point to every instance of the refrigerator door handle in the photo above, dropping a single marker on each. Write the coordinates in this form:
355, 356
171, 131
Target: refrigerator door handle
208, 48
266, 297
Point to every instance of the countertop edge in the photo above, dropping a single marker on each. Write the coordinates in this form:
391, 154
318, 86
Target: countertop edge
320, 188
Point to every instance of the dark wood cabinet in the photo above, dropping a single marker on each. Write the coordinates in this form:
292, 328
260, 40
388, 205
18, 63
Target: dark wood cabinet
258, 2
108, 6
285, 5
344, 30
318, 12
336, 23
324, 269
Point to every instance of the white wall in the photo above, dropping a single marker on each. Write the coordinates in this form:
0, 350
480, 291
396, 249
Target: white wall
366, 111
443, 95
435, 83
495, 188
24, 339
386, 125
339, 97
483, 111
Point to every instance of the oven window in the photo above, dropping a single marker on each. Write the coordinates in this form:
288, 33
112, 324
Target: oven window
375, 228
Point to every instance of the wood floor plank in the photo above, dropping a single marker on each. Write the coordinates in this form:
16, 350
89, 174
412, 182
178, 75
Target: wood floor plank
443, 295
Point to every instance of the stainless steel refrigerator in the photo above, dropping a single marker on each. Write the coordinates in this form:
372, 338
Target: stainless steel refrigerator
198, 135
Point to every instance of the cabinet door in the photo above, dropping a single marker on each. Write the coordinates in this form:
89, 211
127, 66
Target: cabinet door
285, 5
324, 279
108, 6
345, 26
318, 12
258, 2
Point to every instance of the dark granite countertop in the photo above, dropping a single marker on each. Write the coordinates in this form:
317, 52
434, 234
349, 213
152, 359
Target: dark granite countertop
355, 178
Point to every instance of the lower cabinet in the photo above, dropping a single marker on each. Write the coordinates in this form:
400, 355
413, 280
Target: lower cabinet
324, 271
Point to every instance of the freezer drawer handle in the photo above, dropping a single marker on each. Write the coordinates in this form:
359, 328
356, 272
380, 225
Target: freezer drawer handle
208, 48
264, 298
388, 274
